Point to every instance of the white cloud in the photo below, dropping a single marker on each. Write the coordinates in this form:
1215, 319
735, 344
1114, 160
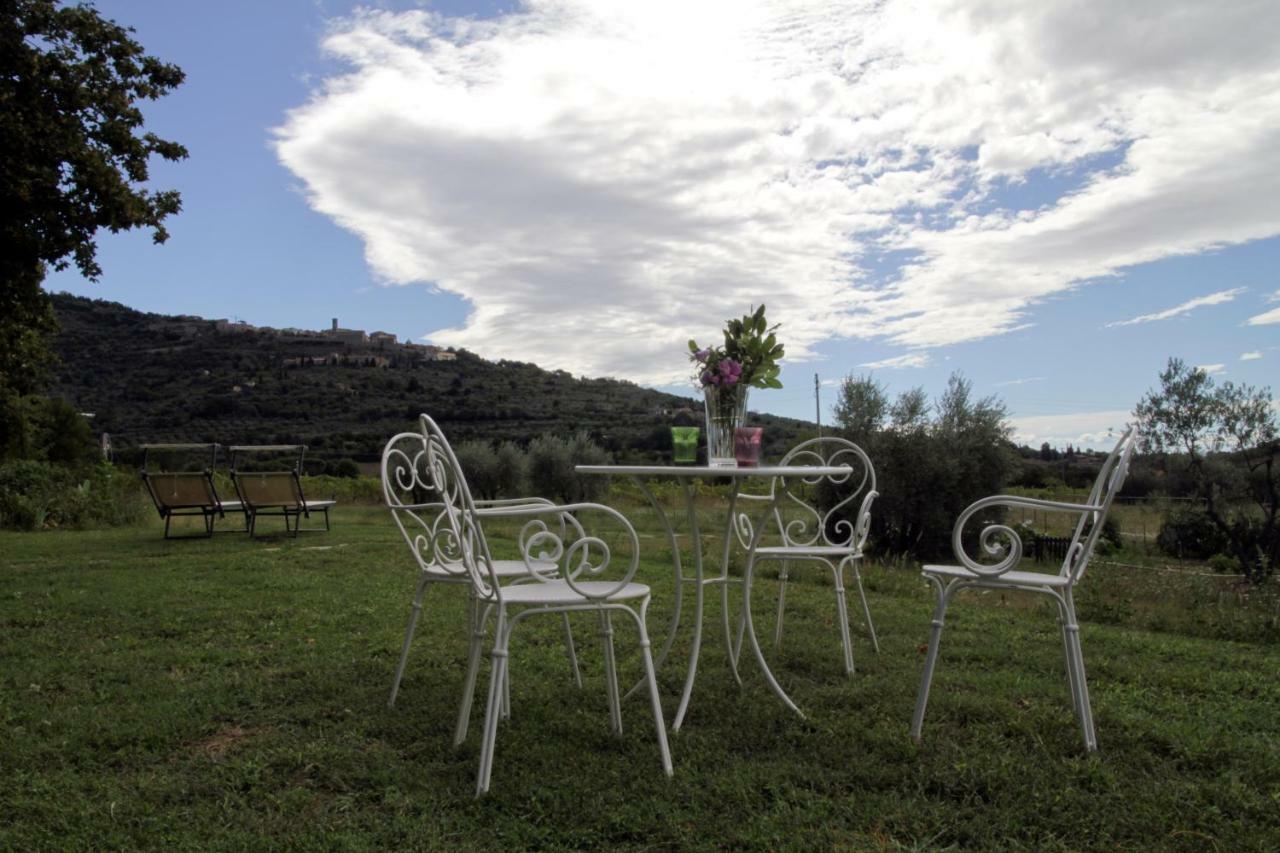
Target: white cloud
1186, 307
1251, 356
602, 179
1020, 381
1089, 430
1212, 368
911, 359
1266, 318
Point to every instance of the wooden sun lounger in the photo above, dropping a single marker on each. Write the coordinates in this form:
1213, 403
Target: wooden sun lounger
275, 492
185, 493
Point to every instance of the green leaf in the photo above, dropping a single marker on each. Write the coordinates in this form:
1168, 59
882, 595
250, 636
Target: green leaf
693, 347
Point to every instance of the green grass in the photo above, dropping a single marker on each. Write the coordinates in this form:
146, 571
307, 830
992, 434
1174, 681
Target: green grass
232, 694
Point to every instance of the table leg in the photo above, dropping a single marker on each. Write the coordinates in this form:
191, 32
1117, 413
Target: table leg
675, 558
696, 549
724, 581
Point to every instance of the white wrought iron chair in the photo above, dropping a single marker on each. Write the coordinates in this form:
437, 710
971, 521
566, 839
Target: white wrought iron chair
999, 541
424, 473
437, 564
811, 534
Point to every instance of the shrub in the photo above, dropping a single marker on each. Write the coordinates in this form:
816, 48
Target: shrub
551, 468
35, 495
931, 461
1189, 532
512, 470
346, 468
480, 467
1224, 564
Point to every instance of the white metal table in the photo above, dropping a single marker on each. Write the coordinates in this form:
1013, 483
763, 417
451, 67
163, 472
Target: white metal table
686, 475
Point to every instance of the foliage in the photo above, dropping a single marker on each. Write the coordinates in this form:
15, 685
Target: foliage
72, 158
551, 468
1230, 440
154, 378
931, 461
480, 466
1189, 532
749, 356
346, 468
44, 429
35, 495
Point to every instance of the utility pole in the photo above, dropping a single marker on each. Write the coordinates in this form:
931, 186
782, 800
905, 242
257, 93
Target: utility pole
817, 403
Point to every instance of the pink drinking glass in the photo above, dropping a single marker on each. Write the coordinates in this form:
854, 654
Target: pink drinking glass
746, 446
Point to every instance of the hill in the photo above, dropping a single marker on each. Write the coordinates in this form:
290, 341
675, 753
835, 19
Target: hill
153, 377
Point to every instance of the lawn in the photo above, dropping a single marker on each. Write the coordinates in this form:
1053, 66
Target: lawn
232, 693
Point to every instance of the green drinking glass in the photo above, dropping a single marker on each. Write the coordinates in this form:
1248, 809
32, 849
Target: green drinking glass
684, 440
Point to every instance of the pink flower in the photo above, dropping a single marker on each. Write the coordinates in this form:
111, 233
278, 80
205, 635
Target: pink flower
702, 355
730, 371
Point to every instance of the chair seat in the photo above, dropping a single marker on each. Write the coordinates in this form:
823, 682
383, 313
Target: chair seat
504, 569
807, 551
1009, 578
559, 592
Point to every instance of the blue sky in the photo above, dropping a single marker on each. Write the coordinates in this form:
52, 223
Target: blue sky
1052, 198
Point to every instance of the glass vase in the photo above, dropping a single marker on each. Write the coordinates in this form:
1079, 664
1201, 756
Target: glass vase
726, 411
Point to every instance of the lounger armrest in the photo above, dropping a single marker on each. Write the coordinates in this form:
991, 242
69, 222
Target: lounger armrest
998, 539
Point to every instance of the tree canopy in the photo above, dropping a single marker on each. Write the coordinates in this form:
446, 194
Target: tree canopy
73, 158
1228, 437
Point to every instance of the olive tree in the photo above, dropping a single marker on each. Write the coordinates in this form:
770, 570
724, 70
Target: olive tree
1227, 436
931, 459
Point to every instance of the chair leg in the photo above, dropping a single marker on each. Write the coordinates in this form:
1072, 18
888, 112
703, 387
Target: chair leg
866, 610
931, 659
414, 611
478, 617
497, 675
842, 614
1086, 710
1069, 660
782, 603
611, 673
651, 681
571, 651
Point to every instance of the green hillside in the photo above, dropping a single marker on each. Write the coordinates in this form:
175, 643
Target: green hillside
152, 377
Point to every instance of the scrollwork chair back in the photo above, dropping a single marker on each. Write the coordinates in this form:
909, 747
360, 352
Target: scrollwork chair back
809, 524
427, 494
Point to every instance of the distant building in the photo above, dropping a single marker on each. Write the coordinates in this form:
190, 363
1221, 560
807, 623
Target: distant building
382, 338
445, 355
347, 336
229, 326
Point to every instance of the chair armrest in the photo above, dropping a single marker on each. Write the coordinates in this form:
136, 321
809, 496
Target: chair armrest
996, 539
498, 506
572, 548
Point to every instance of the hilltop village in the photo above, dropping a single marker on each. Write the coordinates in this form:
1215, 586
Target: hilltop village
358, 348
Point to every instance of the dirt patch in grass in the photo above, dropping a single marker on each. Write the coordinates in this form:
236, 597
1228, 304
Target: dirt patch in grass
223, 741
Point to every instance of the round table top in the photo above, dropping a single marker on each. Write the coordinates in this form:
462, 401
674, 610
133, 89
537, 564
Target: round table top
709, 471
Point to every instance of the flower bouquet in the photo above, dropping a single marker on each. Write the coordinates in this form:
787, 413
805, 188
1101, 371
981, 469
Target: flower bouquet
747, 359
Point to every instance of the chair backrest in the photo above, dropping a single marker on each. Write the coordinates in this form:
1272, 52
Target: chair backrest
181, 490
172, 490
423, 486
281, 487
269, 488
846, 519
1105, 488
